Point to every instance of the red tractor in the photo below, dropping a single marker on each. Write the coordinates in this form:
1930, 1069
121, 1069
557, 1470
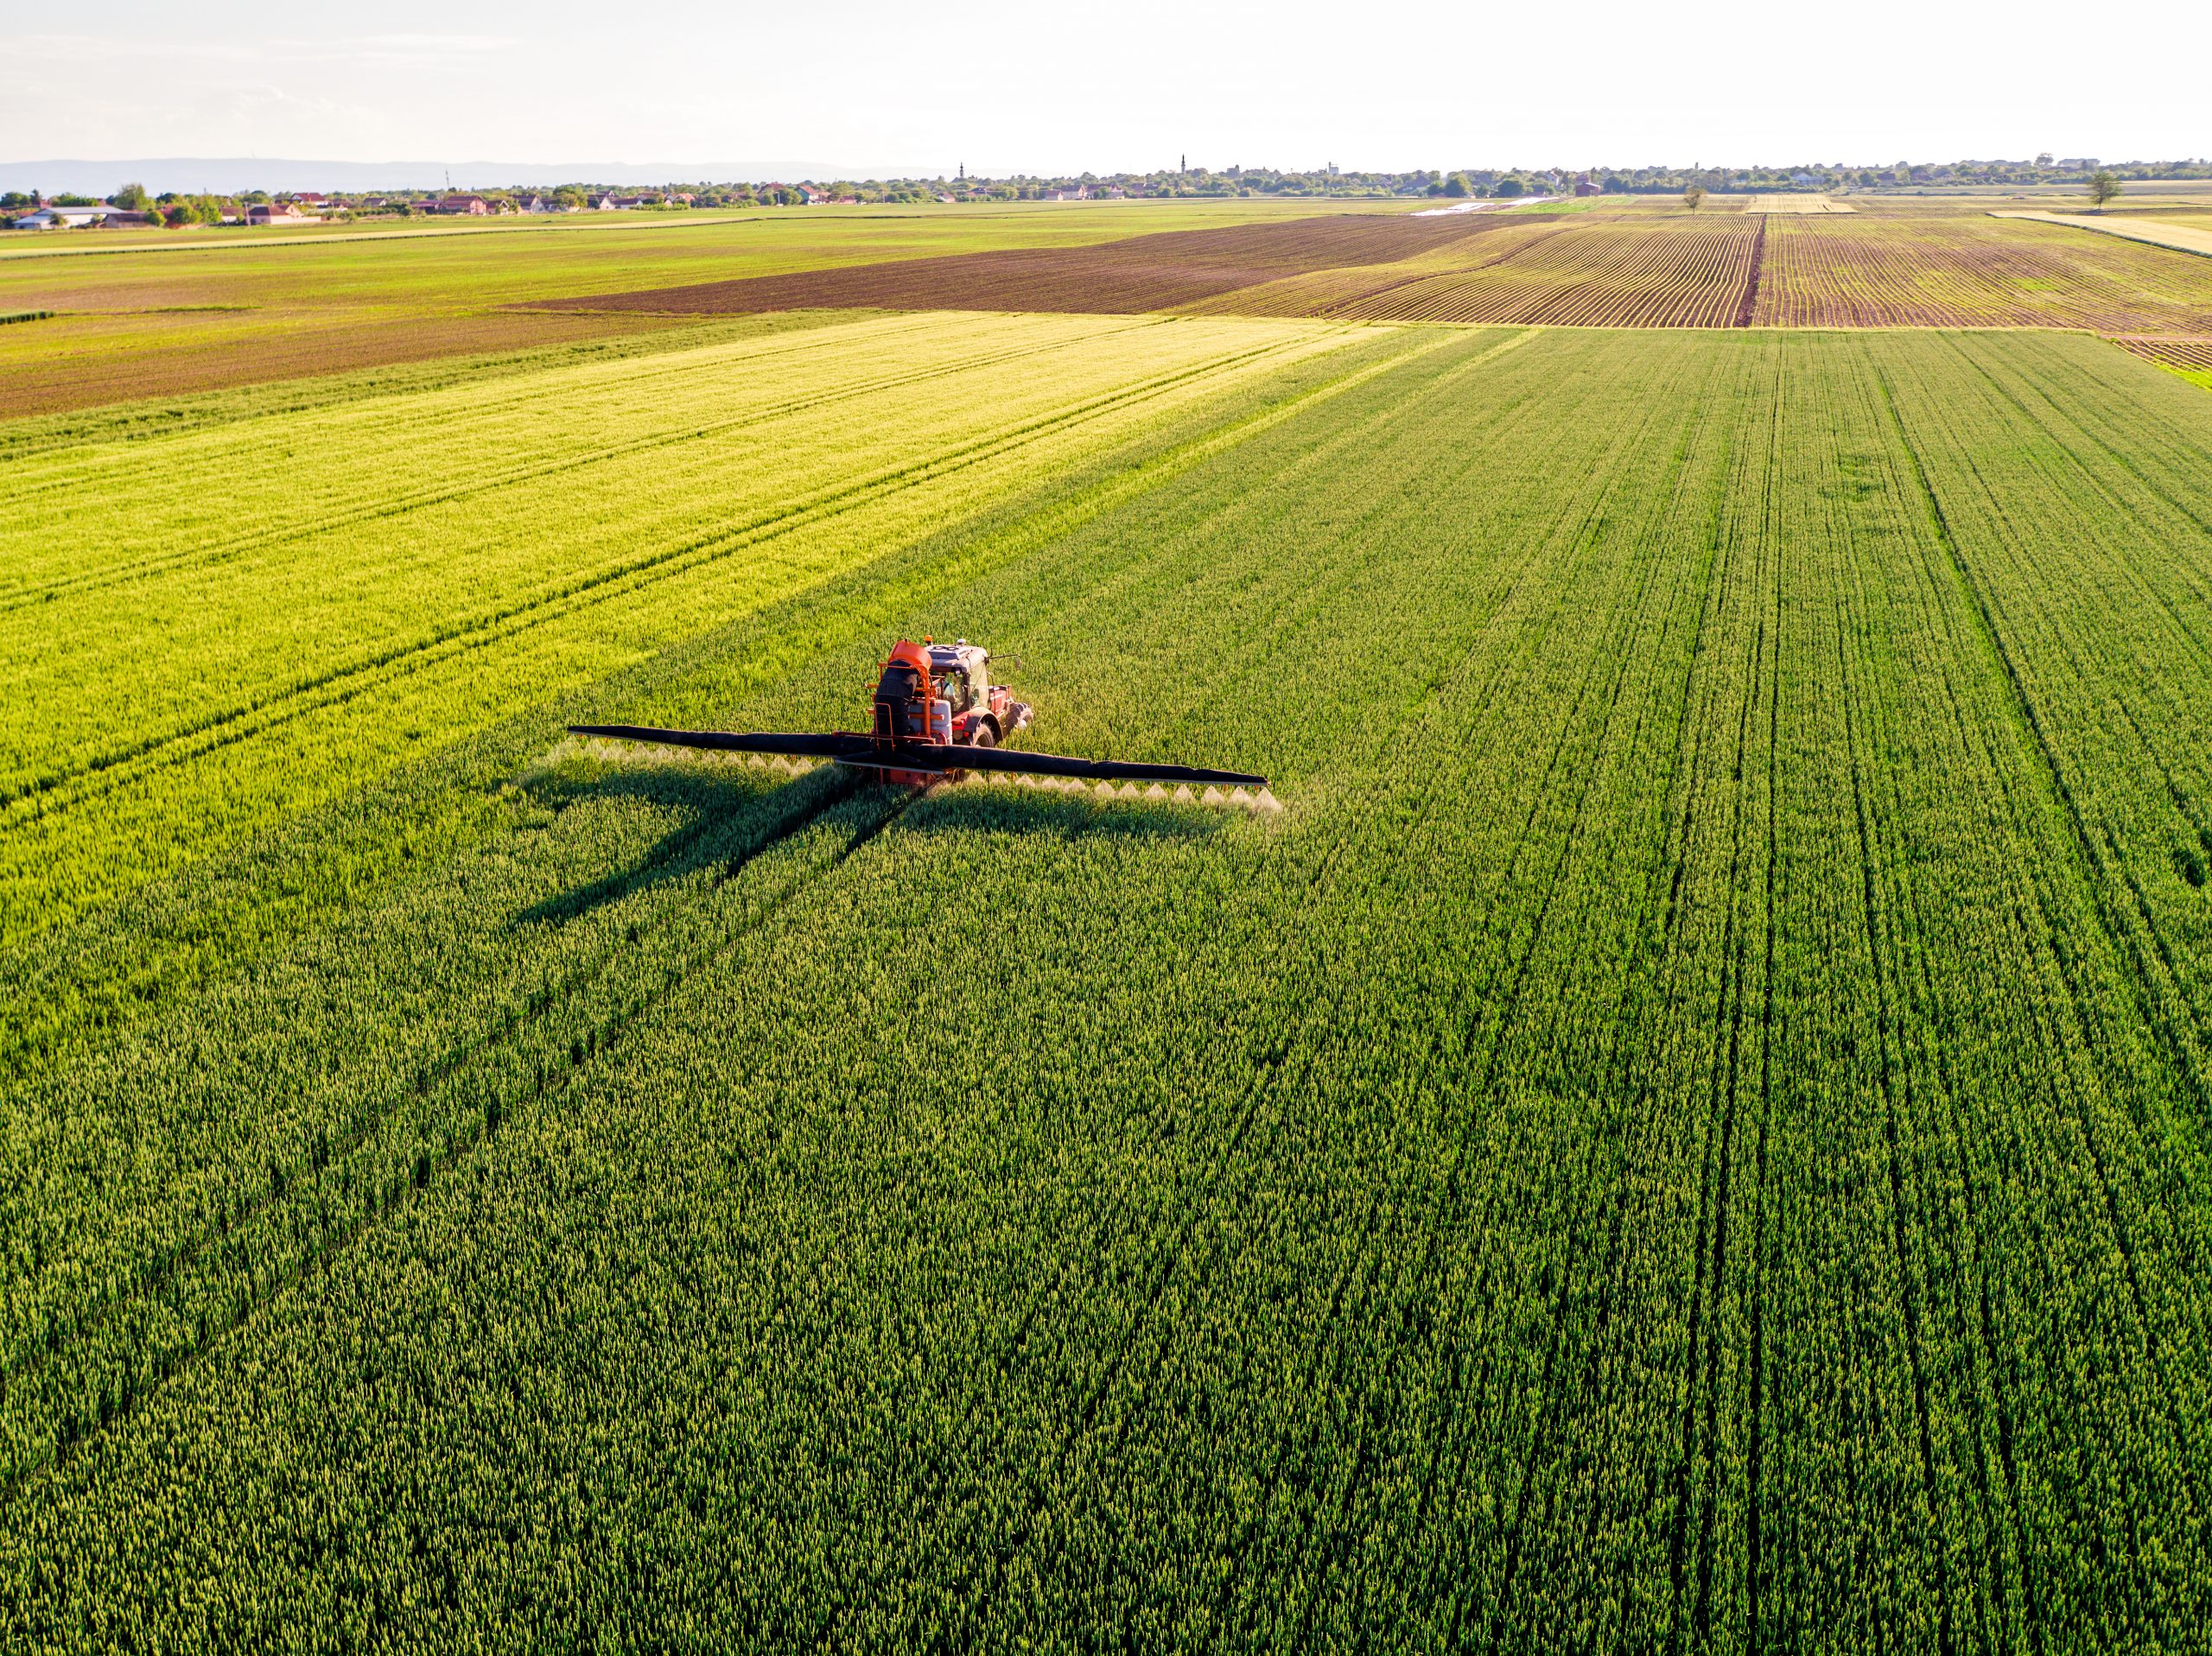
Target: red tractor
937, 716
960, 703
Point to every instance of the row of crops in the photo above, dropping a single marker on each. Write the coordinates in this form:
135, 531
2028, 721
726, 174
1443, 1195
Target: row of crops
1868, 271
1659, 273
1686, 1130
1862, 269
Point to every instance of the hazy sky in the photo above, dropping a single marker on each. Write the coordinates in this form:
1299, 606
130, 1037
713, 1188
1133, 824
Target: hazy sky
1042, 88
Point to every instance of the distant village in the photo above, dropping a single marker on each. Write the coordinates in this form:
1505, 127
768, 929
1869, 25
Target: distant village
132, 206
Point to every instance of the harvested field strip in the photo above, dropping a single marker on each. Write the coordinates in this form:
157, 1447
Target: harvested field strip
1757, 1189
399, 630
1901, 271
1143, 273
1797, 204
2182, 237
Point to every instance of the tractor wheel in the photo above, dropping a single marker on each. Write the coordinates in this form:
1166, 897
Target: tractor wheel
985, 736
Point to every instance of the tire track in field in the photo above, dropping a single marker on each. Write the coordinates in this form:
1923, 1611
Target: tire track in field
1522, 654
1518, 968
1204, 1209
2150, 983
1631, 615
2095, 873
2034, 936
1912, 1289
1773, 528
1906, 964
1526, 650
2087, 871
225, 550
1335, 1543
1717, 1196
60, 792
1750, 302
483, 1120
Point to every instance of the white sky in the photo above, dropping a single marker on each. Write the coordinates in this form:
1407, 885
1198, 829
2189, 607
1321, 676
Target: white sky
1008, 87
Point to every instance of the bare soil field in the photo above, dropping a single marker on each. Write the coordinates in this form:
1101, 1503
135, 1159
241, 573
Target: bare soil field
1172, 271
2169, 350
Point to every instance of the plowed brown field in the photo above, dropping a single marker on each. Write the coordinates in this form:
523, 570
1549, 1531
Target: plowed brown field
2169, 351
1870, 271
1168, 271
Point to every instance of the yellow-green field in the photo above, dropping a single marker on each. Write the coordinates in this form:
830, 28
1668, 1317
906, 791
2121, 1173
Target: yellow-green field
201, 662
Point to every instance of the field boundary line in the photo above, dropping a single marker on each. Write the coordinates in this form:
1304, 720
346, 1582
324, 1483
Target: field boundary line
2150, 232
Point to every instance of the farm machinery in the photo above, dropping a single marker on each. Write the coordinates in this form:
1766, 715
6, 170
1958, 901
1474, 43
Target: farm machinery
937, 718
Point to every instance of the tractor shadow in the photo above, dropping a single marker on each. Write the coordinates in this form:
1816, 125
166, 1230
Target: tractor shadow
724, 821
728, 820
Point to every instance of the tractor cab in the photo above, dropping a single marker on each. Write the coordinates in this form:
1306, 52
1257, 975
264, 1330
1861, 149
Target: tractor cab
963, 676
943, 693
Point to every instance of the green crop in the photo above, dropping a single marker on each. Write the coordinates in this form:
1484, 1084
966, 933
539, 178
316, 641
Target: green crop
1686, 1131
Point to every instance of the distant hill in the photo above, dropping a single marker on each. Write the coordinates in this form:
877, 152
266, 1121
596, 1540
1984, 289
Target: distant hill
228, 174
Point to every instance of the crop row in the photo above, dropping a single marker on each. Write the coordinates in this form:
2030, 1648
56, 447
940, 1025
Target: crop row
1870, 270
1660, 273
1684, 1131
2190, 355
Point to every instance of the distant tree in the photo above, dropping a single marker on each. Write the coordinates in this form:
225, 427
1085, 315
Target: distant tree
1693, 197
193, 210
131, 197
2103, 186
1456, 184
1509, 187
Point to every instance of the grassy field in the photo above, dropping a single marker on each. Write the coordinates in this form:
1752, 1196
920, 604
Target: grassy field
1686, 1130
